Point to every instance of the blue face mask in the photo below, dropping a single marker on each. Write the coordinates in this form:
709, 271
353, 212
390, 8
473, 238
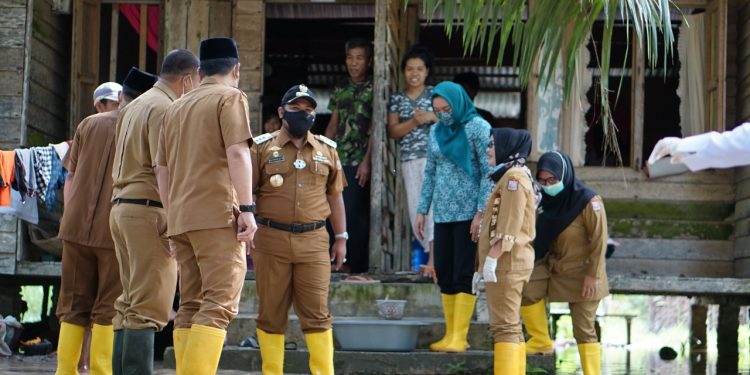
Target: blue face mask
555, 189
445, 118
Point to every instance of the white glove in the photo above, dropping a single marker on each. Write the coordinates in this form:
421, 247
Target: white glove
666, 146
488, 272
475, 283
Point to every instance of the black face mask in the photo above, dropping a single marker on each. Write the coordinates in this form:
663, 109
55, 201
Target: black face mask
299, 122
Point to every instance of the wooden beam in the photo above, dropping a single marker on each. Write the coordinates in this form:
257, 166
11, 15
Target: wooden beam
143, 37
113, 38
679, 286
380, 97
638, 103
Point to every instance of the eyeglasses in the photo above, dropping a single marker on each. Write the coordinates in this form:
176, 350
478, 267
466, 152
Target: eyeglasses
547, 181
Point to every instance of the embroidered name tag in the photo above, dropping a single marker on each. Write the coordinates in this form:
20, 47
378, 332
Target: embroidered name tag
512, 185
276, 159
596, 205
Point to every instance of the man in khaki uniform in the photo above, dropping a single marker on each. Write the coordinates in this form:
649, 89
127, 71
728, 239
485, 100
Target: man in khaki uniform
148, 271
504, 253
571, 244
89, 278
204, 171
298, 182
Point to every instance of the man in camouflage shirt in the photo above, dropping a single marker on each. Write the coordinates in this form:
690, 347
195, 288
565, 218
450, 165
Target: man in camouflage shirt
351, 121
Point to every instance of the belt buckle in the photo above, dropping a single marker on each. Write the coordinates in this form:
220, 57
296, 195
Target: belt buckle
297, 228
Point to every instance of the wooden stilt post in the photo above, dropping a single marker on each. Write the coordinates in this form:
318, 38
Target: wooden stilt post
727, 335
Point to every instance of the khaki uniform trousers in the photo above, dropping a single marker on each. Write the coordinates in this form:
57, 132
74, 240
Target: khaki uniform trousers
583, 313
292, 268
89, 285
212, 267
147, 271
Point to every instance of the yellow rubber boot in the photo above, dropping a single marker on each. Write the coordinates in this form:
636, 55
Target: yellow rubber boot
506, 358
203, 350
462, 311
180, 339
535, 318
102, 341
449, 301
271, 352
320, 346
591, 357
522, 359
69, 348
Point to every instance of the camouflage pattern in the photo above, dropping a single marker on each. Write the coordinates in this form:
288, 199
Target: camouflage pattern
413, 144
354, 104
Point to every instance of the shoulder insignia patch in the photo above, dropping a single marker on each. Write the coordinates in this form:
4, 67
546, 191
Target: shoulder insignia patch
512, 184
263, 138
326, 140
596, 205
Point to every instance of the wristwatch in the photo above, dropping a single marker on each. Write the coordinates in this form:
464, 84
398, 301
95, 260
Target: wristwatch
247, 208
344, 236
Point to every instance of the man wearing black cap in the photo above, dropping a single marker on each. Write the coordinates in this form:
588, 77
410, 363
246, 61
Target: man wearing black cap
298, 183
90, 278
204, 174
147, 269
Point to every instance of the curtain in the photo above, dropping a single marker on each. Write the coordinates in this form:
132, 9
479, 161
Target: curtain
691, 47
132, 13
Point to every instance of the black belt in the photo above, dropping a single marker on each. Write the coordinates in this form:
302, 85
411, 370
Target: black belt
142, 202
294, 228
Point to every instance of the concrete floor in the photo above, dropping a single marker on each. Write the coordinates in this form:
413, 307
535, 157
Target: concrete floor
45, 365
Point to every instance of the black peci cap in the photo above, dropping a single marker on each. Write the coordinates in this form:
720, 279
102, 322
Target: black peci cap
218, 48
139, 81
298, 92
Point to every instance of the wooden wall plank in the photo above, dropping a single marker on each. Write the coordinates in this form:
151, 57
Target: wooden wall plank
693, 286
13, 3
175, 25
664, 249
12, 59
12, 82
671, 267
10, 106
742, 247
220, 19
10, 131
197, 24
12, 38
742, 267
51, 60
742, 227
13, 18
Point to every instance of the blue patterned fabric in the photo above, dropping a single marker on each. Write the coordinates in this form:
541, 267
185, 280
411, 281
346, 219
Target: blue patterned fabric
413, 144
453, 194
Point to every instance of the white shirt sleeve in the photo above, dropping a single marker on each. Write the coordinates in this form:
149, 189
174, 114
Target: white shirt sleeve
716, 150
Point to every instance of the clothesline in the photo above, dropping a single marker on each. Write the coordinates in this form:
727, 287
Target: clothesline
31, 175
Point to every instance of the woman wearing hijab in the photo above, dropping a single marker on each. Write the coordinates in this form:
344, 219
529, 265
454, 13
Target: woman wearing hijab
456, 187
570, 245
505, 253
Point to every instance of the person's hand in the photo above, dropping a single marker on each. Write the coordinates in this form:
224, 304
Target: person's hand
476, 225
475, 282
246, 226
424, 117
666, 146
419, 227
363, 173
428, 270
338, 251
488, 272
588, 290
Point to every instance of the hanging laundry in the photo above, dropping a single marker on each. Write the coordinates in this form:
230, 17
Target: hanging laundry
7, 169
22, 204
43, 169
57, 179
62, 148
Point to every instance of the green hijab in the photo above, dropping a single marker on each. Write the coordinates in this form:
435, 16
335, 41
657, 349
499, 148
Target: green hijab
451, 138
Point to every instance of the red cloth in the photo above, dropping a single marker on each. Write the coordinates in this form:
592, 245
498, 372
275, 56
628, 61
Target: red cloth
7, 168
132, 13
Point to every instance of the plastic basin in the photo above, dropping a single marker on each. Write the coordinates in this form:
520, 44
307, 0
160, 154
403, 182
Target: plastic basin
377, 335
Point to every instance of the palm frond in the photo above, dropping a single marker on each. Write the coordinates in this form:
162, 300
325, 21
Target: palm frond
550, 30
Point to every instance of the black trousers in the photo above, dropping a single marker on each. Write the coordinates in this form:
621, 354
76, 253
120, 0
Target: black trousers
357, 202
455, 254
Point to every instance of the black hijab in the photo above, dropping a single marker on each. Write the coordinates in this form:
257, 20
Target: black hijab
512, 147
558, 211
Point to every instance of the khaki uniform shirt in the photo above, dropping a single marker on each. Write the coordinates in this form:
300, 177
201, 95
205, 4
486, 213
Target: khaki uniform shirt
137, 140
510, 216
577, 252
300, 196
85, 218
197, 130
